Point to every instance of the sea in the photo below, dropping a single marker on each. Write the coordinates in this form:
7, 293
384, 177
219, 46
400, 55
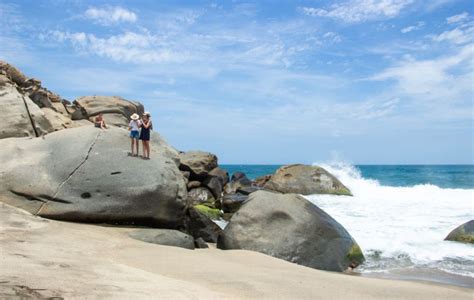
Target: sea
399, 215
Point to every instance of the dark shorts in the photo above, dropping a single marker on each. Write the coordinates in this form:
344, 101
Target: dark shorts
134, 134
97, 125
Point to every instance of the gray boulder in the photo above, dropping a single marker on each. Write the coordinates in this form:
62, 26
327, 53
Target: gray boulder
166, 237
305, 180
84, 174
238, 180
198, 163
463, 233
220, 174
289, 227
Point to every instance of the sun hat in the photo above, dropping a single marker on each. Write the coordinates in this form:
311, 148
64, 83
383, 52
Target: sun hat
134, 117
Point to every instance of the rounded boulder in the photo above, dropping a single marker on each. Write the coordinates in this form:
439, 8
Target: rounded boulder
289, 227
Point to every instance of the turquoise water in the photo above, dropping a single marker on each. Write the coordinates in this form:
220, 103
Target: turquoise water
443, 176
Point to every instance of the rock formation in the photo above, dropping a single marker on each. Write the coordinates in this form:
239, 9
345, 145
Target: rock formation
290, 227
305, 180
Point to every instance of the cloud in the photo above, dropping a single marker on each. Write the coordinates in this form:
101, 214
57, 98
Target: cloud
355, 11
417, 26
110, 15
460, 35
442, 78
457, 18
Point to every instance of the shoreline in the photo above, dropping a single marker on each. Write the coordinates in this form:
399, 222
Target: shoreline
50, 258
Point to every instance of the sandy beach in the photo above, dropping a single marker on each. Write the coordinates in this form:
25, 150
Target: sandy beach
44, 258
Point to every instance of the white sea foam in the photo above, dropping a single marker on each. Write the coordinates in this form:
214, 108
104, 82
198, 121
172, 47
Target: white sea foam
401, 227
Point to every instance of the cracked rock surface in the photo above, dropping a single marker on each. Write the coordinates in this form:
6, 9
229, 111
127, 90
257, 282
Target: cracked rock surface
85, 175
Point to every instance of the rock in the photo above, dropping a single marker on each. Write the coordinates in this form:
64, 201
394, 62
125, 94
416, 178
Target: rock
247, 190
12, 73
214, 184
211, 212
84, 175
221, 174
21, 117
198, 163
166, 237
200, 243
200, 225
262, 180
57, 120
289, 227
237, 181
200, 195
463, 233
193, 184
186, 174
238, 175
118, 120
78, 114
305, 180
93, 105
232, 202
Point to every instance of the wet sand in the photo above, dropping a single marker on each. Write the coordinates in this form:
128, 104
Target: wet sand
44, 258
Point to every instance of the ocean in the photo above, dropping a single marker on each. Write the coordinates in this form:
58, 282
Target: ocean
399, 215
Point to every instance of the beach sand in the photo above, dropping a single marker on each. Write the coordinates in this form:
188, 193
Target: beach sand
46, 258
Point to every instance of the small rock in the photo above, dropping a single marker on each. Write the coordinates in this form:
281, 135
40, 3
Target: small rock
166, 237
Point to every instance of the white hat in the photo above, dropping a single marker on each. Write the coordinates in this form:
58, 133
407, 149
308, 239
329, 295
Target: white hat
134, 117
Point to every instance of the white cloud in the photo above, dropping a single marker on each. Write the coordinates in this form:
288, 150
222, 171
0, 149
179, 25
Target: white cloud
439, 78
110, 15
460, 35
417, 26
332, 36
360, 10
457, 18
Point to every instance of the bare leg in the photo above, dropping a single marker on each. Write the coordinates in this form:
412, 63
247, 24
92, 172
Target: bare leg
137, 146
148, 149
132, 141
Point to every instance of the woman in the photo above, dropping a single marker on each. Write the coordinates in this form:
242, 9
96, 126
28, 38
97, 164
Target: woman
145, 134
133, 126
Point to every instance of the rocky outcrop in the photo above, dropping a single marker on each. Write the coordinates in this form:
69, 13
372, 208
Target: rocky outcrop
198, 163
21, 117
165, 237
289, 227
305, 180
463, 233
116, 110
84, 174
200, 195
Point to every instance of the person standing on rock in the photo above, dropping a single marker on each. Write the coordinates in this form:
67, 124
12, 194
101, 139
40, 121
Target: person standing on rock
145, 134
134, 126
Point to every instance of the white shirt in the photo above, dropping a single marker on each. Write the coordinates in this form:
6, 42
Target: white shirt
134, 125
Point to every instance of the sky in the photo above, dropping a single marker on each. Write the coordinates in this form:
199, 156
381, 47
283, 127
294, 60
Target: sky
267, 82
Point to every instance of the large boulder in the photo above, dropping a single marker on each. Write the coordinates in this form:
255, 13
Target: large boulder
21, 117
200, 195
166, 237
199, 163
232, 202
289, 227
305, 180
116, 110
84, 174
463, 233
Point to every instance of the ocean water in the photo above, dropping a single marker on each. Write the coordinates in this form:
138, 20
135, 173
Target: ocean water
400, 215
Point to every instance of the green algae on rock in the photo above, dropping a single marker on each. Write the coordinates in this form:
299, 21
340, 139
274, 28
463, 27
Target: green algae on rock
210, 212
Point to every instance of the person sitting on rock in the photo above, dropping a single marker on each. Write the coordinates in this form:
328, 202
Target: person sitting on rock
134, 126
99, 121
145, 134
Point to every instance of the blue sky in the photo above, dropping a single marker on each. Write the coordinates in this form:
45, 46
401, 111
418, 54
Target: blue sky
364, 81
